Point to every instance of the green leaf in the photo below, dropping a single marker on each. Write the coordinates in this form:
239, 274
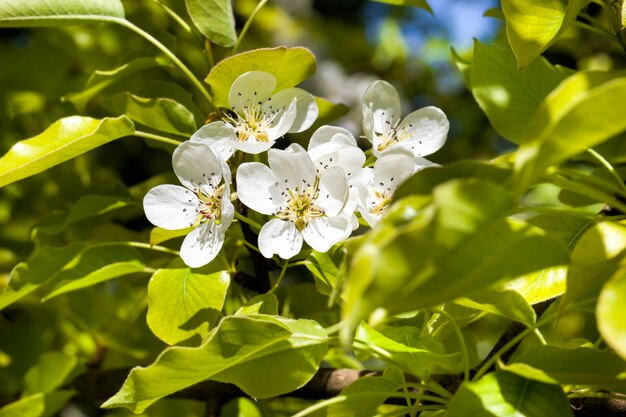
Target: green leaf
464, 66
532, 26
70, 268
290, 66
415, 3
52, 370
461, 243
504, 394
509, 97
407, 349
507, 303
324, 267
581, 366
583, 111
214, 19
162, 114
100, 80
58, 12
611, 311
159, 235
184, 305
265, 356
261, 304
38, 405
63, 140
365, 395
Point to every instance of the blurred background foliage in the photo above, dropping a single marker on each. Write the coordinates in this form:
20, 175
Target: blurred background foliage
355, 42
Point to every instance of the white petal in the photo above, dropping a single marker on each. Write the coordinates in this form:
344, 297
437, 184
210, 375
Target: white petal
390, 170
250, 88
220, 136
253, 147
336, 153
201, 245
333, 193
292, 167
257, 189
279, 237
306, 107
323, 232
283, 120
171, 207
371, 219
196, 165
427, 129
326, 133
381, 108
228, 211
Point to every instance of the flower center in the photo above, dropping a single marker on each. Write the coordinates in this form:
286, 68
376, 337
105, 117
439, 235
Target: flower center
391, 133
300, 207
210, 205
251, 122
380, 202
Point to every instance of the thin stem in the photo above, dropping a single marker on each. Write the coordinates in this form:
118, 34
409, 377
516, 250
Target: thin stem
209, 53
459, 334
157, 138
334, 328
153, 247
281, 276
320, 405
406, 395
176, 17
243, 32
247, 221
149, 270
609, 168
404, 410
539, 335
249, 245
172, 56
608, 395
432, 398
596, 30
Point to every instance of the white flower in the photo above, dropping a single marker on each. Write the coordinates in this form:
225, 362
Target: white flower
306, 206
377, 185
335, 146
258, 117
422, 132
203, 202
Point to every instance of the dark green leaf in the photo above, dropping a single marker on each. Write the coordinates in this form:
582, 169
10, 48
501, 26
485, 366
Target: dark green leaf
52, 370
38, 405
415, 3
162, 114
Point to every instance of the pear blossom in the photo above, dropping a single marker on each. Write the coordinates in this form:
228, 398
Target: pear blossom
202, 203
377, 185
306, 207
258, 116
422, 132
335, 146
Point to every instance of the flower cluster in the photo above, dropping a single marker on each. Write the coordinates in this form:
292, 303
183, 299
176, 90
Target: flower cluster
308, 195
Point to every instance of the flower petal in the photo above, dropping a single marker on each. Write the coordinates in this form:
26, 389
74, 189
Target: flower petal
254, 147
306, 107
381, 104
323, 232
292, 167
326, 133
202, 245
196, 166
333, 193
171, 207
338, 152
279, 237
257, 189
392, 169
427, 129
283, 119
250, 88
220, 136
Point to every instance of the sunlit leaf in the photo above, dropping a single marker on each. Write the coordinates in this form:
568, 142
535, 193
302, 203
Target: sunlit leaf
63, 140
242, 350
504, 394
37, 405
611, 311
415, 3
532, 26
58, 12
508, 303
214, 19
290, 66
184, 305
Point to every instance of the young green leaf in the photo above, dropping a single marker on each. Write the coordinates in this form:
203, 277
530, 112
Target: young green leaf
64, 139
184, 305
58, 12
507, 303
611, 311
415, 3
265, 356
162, 114
504, 394
509, 97
290, 66
37, 405
214, 19
532, 26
